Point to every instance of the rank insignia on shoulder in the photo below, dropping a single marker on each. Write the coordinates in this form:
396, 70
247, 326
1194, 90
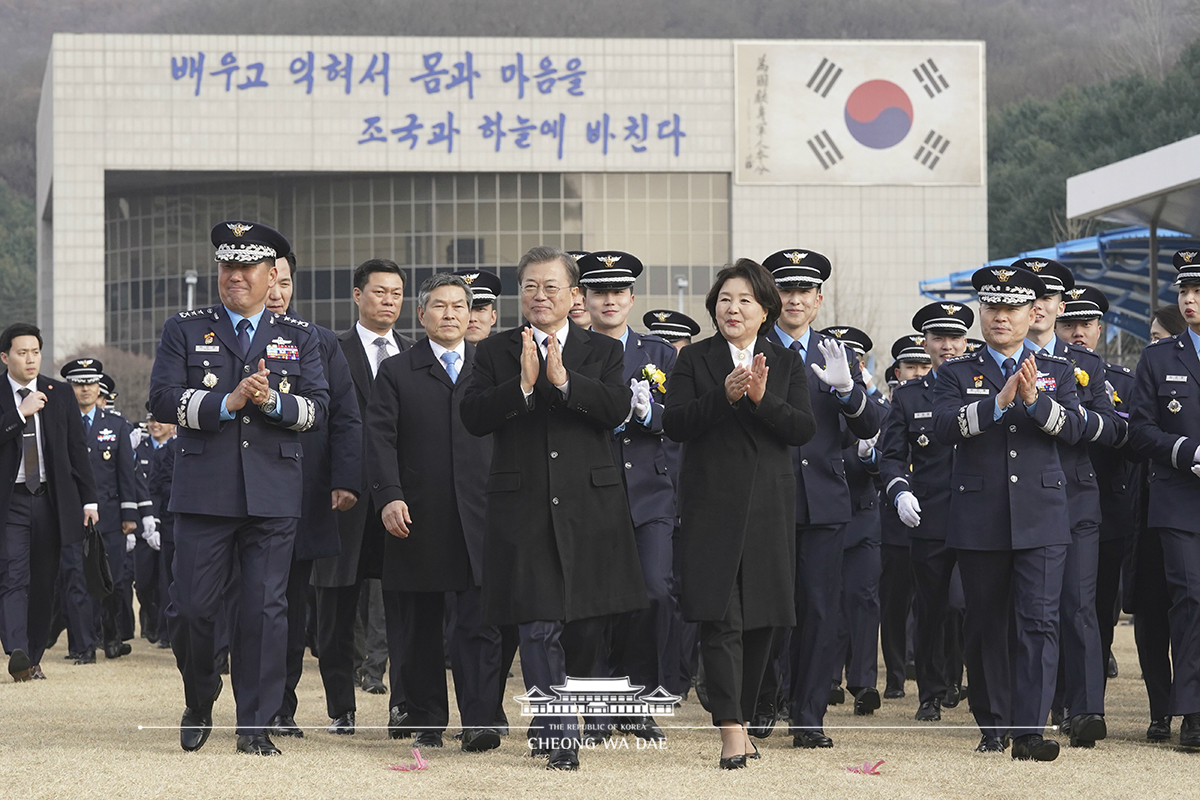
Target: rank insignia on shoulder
297, 322
1174, 407
285, 386
209, 380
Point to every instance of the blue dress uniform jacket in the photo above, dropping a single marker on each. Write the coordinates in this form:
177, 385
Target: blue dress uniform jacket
1117, 468
822, 494
1165, 428
251, 464
913, 460
114, 468
332, 456
1007, 471
641, 450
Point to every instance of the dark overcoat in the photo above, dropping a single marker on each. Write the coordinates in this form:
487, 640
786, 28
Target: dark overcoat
420, 452
737, 488
559, 542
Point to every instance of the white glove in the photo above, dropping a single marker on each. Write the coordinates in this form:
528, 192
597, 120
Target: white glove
837, 367
130, 542
154, 539
1110, 391
149, 525
909, 509
865, 446
1196, 470
640, 403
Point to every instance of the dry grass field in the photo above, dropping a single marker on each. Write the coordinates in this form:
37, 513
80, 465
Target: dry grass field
104, 731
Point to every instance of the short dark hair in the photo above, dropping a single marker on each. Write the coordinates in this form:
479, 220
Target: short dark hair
438, 280
761, 283
291, 259
544, 253
1171, 318
362, 273
18, 329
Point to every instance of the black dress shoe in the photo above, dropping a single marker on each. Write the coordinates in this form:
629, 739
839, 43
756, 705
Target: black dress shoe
343, 725
372, 685
398, 723
1110, 669
35, 672
1032, 747
643, 727
87, 658
1189, 731
595, 733
428, 739
480, 740
18, 666
282, 725
196, 725
810, 739
837, 695
163, 644
892, 693
257, 745
501, 722
1057, 717
734, 762
1159, 730
930, 711
763, 721
537, 750
952, 696
71, 656
990, 744
866, 701
1087, 729
565, 759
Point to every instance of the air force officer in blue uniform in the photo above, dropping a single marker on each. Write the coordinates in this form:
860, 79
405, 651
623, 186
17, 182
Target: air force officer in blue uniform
242, 383
1006, 409
1165, 428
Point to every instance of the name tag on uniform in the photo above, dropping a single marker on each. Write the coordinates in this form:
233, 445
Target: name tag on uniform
1177, 379
208, 348
923, 415
979, 391
283, 352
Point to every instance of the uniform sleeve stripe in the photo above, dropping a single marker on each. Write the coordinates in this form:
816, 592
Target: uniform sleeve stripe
973, 428
894, 482
129, 505
1099, 428
862, 407
304, 416
193, 409
1175, 451
1055, 420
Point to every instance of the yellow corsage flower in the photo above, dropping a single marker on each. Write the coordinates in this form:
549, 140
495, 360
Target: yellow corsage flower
1081, 377
1116, 400
656, 377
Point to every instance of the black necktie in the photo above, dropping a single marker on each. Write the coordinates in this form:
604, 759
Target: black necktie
1010, 366
243, 336
799, 348
33, 471
87, 427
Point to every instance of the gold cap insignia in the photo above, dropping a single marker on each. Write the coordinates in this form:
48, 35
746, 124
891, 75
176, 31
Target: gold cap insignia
1037, 266
239, 229
85, 362
470, 279
662, 316
609, 260
1076, 293
951, 309
838, 332
1188, 256
919, 341
1003, 275
795, 257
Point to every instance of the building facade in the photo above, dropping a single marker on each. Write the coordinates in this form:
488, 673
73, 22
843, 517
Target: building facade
442, 153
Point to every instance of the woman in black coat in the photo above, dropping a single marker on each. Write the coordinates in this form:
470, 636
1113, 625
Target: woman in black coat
737, 402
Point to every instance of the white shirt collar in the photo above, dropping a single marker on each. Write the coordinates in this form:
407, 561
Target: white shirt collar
32, 385
368, 337
438, 350
541, 336
741, 358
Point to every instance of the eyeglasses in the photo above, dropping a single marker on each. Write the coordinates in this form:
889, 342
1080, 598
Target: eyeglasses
532, 289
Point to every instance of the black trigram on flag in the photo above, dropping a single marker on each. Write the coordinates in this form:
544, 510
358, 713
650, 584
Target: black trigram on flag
932, 149
931, 80
825, 150
824, 77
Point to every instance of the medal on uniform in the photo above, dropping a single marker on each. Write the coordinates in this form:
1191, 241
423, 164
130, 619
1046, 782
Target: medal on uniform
1174, 407
210, 380
978, 381
208, 337
285, 386
107, 455
923, 440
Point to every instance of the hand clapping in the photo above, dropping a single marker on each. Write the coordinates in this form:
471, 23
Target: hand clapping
255, 389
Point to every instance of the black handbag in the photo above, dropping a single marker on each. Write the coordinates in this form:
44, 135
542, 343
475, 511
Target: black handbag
96, 570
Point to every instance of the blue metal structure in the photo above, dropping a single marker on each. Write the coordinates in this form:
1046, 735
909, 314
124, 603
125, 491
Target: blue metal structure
1117, 262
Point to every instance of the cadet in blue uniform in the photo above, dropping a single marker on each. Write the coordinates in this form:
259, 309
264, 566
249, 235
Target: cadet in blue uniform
485, 288
1165, 427
916, 471
857, 645
113, 466
161, 442
823, 504
1005, 409
674, 326
638, 641
242, 383
1079, 697
1117, 468
146, 552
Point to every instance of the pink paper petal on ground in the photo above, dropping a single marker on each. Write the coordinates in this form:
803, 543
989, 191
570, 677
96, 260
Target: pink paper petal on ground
867, 768
420, 765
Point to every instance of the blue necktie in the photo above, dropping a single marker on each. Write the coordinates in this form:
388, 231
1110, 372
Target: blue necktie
87, 426
243, 336
1010, 366
450, 358
799, 348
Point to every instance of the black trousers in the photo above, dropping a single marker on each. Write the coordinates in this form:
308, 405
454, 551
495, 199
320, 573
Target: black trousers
858, 634
510, 642
550, 651
1113, 553
166, 576
146, 583
735, 661
639, 639
297, 613
818, 615
1081, 653
932, 567
207, 549
895, 600
1181, 556
683, 637
29, 555
1151, 625
76, 602
337, 607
